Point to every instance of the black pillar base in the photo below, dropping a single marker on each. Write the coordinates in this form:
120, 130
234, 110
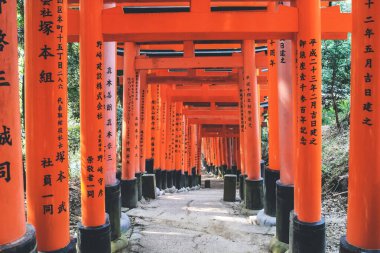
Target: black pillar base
242, 186
149, 165
207, 184
224, 170
238, 175
309, 237
193, 177
234, 169
177, 174
129, 193
157, 172
199, 179
149, 186
345, 247
182, 182
270, 179
228, 171
118, 174
95, 239
186, 179
284, 205
170, 178
164, 180
262, 168
113, 208
229, 194
216, 171
254, 194
26, 244
139, 186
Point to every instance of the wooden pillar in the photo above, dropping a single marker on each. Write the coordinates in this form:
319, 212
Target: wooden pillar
179, 144
113, 196
307, 186
110, 109
252, 126
94, 221
46, 123
149, 128
143, 120
363, 220
13, 229
254, 181
273, 113
131, 122
242, 124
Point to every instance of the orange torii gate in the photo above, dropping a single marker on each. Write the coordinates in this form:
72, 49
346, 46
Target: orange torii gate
304, 19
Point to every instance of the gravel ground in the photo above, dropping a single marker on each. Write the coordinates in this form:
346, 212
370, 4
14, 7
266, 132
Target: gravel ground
334, 211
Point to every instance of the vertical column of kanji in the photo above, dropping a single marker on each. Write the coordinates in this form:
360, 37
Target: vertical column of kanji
130, 159
272, 173
285, 186
192, 157
143, 112
254, 183
113, 197
363, 221
309, 227
242, 150
178, 146
46, 123
172, 142
94, 232
15, 235
185, 136
149, 130
164, 127
156, 94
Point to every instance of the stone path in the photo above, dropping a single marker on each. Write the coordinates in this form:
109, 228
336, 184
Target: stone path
195, 221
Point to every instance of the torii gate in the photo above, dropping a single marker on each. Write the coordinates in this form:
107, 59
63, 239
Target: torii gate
306, 20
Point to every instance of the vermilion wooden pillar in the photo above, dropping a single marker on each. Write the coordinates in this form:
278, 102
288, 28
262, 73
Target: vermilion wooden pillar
46, 124
171, 140
242, 149
143, 112
363, 220
272, 173
254, 182
180, 176
287, 84
164, 127
94, 223
113, 194
309, 227
157, 102
15, 235
149, 128
110, 109
131, 122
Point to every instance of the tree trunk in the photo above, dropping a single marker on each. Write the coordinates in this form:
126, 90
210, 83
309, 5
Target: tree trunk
335, 105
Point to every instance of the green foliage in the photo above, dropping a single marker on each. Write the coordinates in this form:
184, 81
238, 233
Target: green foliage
73, 81
336, 64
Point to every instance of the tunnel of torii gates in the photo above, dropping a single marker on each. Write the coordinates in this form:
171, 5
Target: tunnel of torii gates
194, 75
